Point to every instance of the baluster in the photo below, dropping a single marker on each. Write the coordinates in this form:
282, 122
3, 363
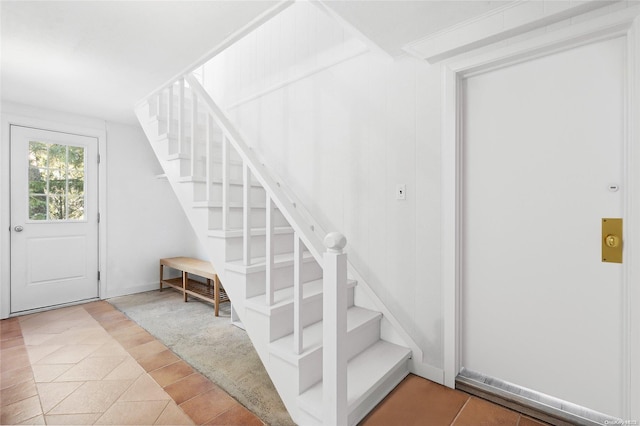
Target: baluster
159, 105
297, 294
334, 332
225, 182
170, 110
246, 213
194, 130
181, 116
209, 157
269, 252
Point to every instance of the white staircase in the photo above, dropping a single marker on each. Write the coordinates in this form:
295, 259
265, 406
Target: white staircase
323, 353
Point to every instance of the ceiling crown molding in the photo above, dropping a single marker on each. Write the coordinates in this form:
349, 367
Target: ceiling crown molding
499, 24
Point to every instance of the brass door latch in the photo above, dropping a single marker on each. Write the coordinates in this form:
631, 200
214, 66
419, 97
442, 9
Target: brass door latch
612, 240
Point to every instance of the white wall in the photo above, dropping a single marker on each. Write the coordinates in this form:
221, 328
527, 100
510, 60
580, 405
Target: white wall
342, 127
145, 220
142, 220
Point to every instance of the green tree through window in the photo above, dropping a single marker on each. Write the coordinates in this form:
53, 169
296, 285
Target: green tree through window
56, 181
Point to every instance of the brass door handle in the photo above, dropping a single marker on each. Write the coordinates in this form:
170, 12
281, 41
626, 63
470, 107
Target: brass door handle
612, 241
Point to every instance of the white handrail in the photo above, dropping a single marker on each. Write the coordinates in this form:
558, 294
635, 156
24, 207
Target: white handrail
295, 219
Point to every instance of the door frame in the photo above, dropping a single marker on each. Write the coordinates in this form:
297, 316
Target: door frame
623, 23
46, 120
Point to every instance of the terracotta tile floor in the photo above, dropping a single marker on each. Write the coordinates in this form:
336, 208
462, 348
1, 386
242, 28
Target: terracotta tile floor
419, 402
90, 364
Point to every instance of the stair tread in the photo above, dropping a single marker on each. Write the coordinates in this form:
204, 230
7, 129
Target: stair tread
232, 204
364, 371
235, 233
217, 180
284, 296
259, 263
312, 334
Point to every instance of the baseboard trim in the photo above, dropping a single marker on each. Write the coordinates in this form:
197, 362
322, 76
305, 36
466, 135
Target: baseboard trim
426, 371
117, 292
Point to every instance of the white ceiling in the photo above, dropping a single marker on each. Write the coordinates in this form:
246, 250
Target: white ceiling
98, 58
391, 24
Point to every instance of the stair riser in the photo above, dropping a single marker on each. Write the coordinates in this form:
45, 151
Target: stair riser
363, 337
283, 277
236, 215
281, 322
181, 167
310, 366
283, 243
197, 217
367, 401
164, 98
257, 194
284, 376
162, 125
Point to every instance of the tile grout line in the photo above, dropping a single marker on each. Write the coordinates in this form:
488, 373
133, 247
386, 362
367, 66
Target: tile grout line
53, 380
138, 362
460, 412
19, 326
179, 359
30, 365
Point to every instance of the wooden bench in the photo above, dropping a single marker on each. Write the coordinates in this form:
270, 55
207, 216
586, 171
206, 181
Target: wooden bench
187, 265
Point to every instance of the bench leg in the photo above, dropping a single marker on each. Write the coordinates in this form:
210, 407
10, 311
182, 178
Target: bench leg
216, 292
185, 277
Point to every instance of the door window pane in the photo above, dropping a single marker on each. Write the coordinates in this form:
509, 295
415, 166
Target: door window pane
56, 181
37, 180
38, 207
38, 154
75, 207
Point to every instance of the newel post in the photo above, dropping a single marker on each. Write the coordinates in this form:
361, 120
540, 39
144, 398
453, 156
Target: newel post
334, 361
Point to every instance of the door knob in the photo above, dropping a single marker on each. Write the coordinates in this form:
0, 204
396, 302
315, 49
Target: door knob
18, 228
612, 241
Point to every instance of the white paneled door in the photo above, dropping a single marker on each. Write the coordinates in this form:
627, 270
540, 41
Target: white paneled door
54, 218
542, 166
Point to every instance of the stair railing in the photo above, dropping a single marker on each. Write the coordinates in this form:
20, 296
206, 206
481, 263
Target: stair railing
332, 260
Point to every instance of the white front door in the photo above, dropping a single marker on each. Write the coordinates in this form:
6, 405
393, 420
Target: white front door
54, 218
543, 163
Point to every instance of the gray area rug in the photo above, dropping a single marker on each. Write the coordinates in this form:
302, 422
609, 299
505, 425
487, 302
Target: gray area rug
211, 345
